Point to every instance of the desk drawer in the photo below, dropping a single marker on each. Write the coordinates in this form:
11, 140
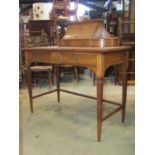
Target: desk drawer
80, 59
74, 59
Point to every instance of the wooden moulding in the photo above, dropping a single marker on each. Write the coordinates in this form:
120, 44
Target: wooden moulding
90, 97
48, 92
112, 113
109, 42
78, 94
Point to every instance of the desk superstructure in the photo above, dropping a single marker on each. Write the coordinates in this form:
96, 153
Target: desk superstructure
86, 44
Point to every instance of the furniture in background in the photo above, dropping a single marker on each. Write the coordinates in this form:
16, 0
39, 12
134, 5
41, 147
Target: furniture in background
125, 29
46, 25
127, 36
61, 15
112, 22
62, 9
49, 28
35, 39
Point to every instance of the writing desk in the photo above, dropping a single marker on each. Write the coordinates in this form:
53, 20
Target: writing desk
95, 58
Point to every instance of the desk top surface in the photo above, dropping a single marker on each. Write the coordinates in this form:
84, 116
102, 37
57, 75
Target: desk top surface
79, 49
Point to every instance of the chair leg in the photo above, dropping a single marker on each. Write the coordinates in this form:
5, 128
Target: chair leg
115, 74
58, 82
94, 79
34, 78
90, 73
53, 75
76, 74
29, 82
52, 78
49, 79
124, 93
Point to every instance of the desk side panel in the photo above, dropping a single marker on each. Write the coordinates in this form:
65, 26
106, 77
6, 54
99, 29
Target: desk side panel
37, 56
113, 58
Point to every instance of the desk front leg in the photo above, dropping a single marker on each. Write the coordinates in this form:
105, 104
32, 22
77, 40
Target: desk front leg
99, 107
124, 91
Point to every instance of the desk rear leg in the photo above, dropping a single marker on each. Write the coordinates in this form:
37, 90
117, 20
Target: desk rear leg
58, 82
29, 82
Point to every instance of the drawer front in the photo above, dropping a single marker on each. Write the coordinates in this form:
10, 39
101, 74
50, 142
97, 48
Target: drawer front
74, 59
37, 57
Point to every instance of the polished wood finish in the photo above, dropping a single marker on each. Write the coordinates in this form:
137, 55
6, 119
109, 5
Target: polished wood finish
99, 107
98, 59
102, 59
93, 34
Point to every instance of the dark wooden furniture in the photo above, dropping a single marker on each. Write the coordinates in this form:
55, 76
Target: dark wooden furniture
85, 44
60, 7
38, 39
61, 14
131, 64
112, 22
127, 37
46, 25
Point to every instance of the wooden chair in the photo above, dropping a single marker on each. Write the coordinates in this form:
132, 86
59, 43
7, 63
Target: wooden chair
127, 36
34, 39
61, 13
112, 23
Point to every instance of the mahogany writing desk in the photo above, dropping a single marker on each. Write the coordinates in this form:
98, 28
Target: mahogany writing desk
87, 44
95, 58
